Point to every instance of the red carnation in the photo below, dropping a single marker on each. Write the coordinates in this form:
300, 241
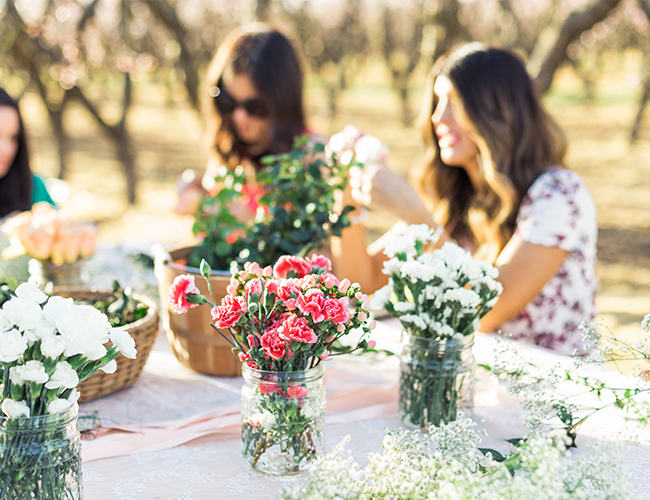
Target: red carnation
312, 303
336, 310
273, 345
320, 261
229, 312
289, 264
297, 329
181, 286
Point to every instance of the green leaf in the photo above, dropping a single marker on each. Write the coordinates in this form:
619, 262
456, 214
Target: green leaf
495, 454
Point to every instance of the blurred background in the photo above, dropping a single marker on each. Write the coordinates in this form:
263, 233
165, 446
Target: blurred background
110, 91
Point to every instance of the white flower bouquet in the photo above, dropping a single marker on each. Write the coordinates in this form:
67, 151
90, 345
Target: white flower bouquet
48, 345
439, 298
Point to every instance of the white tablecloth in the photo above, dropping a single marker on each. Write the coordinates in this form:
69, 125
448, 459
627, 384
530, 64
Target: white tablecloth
211, 467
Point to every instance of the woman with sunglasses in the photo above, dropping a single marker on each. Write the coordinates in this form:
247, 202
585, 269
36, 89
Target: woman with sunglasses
495, 179
254, 107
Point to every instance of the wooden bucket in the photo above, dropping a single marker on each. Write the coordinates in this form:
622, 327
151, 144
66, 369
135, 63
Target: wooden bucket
195, 343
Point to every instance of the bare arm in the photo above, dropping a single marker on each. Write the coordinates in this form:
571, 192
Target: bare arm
524, 269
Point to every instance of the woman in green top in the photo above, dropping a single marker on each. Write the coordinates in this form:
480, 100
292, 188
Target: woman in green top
19, 187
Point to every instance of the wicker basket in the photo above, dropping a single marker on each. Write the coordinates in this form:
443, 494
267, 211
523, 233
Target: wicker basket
128, 370
195, 343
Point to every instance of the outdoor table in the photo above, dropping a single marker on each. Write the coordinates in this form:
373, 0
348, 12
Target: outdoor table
175, 433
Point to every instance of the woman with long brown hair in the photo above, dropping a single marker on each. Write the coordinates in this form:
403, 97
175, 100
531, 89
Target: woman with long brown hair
253, 103
495, 182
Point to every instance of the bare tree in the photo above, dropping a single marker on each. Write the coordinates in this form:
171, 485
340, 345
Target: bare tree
645, 96
547, 57
401, 48
334, 50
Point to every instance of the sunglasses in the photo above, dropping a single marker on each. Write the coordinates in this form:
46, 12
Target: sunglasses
227, 104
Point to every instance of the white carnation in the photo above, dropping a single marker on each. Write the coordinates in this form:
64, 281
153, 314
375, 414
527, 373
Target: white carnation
267, 420
415, 271
44, 329
74, 396
56, 307
15, 409
12, 346
53, 346
22, 313
64, 376
381, 298
124, 342
32, 371
488, 269
58, 405
109, 367
30, 291
5, 324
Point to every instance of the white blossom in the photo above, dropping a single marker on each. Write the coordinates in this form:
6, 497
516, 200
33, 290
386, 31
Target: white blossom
124, 342
392, 266
400, 245
30, 291
404, 307
420, 232
22, 313
44, 329
64, 376
52, 346
31, 371
466, 298
109, 367
58, 405
15, 409
56, 307
369, 149
381, 297
12, 346
415, 320
5, 324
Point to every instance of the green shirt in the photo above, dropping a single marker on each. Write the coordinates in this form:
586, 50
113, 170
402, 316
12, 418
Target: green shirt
40, 191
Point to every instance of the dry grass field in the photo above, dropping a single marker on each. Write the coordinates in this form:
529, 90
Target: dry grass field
167, 135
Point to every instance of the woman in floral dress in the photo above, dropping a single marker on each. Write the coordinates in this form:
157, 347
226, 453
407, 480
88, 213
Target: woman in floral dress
495, 182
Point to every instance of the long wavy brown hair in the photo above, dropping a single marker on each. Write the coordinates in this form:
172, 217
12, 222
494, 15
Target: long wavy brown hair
517, 141
267, 57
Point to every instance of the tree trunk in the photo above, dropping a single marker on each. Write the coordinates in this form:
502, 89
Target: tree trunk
262, 10
573, 27
407, 119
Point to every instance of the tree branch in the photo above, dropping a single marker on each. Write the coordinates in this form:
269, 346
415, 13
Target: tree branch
573, 27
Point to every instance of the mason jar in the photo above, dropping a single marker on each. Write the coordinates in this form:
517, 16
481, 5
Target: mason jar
40, 457
436, 379
283, 419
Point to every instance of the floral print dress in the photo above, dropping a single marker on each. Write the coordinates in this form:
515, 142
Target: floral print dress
558, 211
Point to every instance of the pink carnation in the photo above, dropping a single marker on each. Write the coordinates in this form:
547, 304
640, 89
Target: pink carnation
286, 264
297, 329
320, 261
336, 310
296, 391
272, 286
254, 287
244, 357
229, 312
288, 291
274, 347
181, 286
329, 280
253, 268
312, 303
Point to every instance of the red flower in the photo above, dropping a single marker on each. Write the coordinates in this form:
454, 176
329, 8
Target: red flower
289, 264
336, 310
247, 358
320, 261
288, 291
274, 347
295, 328
229, 312
312, 303
181, 286
254, 287
269, 388
272, 286
296, 391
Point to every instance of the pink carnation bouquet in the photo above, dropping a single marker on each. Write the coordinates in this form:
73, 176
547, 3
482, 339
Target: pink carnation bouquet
284, 318
282, 322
